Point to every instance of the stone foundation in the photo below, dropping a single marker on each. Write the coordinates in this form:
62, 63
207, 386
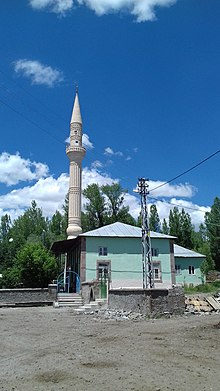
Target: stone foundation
150, 302
90, 291
27, 296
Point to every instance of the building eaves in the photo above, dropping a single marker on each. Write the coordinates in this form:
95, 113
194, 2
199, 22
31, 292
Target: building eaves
183, 252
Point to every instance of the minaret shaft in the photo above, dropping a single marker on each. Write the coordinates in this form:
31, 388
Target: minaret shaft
75, 152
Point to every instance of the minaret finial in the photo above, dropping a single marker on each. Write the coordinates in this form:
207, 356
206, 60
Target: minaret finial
76, 87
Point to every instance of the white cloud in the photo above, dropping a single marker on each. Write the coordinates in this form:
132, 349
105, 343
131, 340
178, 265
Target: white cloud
15, 169
86, 141
94, 176
50, 192
134, 204
38, 73
96, 164
168, 190
56, 6
195, 211
143, 10
109, 151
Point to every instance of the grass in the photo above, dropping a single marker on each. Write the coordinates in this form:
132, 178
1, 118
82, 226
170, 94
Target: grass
212, 287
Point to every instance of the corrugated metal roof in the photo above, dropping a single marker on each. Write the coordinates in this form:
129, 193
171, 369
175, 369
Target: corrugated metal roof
185, 253
121, 230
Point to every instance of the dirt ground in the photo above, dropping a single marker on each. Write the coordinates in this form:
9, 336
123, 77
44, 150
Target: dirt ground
54, 349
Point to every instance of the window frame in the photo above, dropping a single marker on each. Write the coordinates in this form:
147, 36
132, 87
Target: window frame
104, 263
178, 269
102, 252
157, 265
154, 252
191, 270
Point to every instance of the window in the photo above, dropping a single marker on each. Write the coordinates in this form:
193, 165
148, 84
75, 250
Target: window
103, 251
157, 272
178, 269
104, 270
155, 252
191, 270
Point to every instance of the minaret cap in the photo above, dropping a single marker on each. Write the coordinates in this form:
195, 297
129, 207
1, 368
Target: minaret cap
76, 114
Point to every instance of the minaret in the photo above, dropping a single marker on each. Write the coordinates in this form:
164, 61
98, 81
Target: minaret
75, 152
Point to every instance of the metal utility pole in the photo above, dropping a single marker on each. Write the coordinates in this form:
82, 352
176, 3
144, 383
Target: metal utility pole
148, 281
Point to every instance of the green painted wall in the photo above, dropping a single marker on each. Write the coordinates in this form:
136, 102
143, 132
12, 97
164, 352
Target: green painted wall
125, 255
184, 277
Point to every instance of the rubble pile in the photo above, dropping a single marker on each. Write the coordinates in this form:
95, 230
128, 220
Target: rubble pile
200, 304
113, 314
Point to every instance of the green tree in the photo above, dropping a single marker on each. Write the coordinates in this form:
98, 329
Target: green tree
116, 210
6, 246
57, 226
34, 267
187, 230
30, 226
165, 227
174, 223
212, 222
5, 226
95, 208
180, 226
154, 220
208, 264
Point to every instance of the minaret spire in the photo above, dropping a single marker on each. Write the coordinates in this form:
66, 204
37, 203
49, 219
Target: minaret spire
75, 152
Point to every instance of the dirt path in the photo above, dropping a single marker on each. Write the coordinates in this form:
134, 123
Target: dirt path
53, 349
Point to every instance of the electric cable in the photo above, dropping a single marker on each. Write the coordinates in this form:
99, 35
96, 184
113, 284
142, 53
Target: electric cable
31, 122
185, 172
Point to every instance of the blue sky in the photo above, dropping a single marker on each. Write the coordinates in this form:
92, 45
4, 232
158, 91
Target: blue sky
149, 89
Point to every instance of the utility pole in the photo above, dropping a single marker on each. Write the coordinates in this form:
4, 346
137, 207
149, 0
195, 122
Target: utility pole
142, 189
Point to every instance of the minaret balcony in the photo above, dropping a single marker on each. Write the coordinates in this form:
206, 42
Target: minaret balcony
75, 152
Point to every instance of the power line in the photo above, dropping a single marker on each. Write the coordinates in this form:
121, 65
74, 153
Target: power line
185, 172
30, 121
179, 206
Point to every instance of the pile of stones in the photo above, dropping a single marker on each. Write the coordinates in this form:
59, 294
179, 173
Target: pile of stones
113, 314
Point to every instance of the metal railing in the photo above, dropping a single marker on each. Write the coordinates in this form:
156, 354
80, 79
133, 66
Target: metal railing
64, 281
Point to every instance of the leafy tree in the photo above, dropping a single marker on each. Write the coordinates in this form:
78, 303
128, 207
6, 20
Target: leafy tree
154, 220
31, 224
187, 230
116, 210
180, 225
5, 242
208, 264
95, 207
212, 222
34, 267
5, 226
57, 226
165, 227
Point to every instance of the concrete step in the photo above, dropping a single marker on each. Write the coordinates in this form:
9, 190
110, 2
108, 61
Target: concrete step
78, 300
73, 300
92, 306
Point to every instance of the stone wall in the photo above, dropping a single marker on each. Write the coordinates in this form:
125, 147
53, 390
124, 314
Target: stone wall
28, 296
150, 302
90, 291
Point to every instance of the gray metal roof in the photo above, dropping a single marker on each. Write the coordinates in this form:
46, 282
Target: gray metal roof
185, 253
121, 230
